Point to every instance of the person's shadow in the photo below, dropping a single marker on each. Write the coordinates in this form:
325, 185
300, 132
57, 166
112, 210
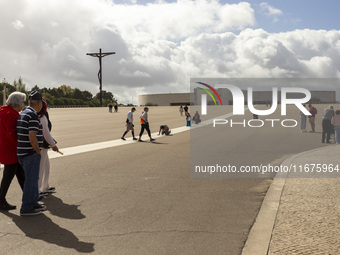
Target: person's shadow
43, 228
57, 207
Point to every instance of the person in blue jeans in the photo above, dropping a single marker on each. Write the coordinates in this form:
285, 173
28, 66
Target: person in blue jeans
188, 118
30, 140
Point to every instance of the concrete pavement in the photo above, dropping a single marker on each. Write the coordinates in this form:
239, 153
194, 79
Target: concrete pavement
300, 213
132, 199
139, 198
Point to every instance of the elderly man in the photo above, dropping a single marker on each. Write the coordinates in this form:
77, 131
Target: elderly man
30, 140
9, 114
327, 124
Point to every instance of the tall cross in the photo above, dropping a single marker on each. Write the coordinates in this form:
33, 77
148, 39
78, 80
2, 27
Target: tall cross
100, 55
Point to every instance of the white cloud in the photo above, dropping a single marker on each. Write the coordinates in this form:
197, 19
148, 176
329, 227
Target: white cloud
158, 46
270, 11
18, 25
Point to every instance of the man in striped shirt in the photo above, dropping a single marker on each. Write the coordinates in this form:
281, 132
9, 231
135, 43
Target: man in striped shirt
30, 139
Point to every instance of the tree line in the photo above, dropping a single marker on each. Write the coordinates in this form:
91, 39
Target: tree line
64, 95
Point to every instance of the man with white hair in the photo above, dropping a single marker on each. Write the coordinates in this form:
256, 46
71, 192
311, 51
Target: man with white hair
9, 114
327, 124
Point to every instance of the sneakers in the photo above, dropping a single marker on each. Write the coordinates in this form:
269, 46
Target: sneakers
39, 207
134, 138
6, 206
36, 210
151, 140
50, 190
29, 212
123, 138
42, 194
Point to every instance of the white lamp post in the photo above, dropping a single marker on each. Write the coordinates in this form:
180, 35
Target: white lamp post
4, 95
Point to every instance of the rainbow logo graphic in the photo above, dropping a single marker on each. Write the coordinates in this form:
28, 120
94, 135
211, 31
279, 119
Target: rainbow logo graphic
209, 93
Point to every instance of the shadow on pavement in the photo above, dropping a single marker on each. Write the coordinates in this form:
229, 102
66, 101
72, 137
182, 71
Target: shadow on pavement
158, 143
57, 207
43, 228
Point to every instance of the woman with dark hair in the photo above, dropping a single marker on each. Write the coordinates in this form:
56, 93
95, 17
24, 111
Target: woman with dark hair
44, 172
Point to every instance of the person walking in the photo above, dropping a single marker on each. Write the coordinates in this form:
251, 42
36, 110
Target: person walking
336, 124
145, 125
327, 123
186, 109
30, 140
303, 120
129, 124
311, 118
9, 114
181, 110
44, 170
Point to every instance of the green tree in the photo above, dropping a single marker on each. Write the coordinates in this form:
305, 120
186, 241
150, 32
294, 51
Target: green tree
66, 100
87, 95
36, 88
55, 93
67, 91
80, 102
77, 94
107, 96
58, 101
19, 85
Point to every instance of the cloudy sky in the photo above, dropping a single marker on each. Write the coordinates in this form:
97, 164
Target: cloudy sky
161, 44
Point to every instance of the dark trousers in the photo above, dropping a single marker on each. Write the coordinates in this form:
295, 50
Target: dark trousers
145, 126
326, 129
9, 172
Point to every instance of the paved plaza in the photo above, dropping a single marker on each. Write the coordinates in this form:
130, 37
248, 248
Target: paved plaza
125, 197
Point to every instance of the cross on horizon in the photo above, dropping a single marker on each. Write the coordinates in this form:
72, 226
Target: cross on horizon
100, 55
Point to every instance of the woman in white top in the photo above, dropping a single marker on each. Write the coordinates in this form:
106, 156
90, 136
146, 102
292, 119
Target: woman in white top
44, 172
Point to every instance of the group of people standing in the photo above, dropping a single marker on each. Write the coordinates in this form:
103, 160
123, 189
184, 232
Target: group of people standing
24, 140
330, 123
196, 118
115, 107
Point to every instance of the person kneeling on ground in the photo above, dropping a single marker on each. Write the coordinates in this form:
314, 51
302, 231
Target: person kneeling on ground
197, 118
164, 129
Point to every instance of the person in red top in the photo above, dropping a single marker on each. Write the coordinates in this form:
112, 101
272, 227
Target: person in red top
8, 146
